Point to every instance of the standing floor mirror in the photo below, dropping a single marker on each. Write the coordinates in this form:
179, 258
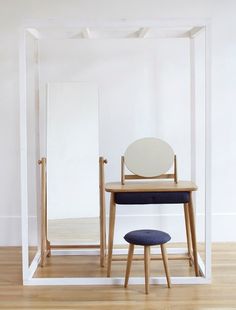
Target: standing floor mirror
72, 164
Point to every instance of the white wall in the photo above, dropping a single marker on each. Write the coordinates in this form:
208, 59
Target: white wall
140, 94
12, 13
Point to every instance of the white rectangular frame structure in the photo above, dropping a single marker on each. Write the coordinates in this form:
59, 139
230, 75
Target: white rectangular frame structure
196, 26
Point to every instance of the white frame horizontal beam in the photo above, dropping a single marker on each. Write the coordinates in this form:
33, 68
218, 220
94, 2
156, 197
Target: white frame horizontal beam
195, 31
160, 23
142, 33
113, 280
86, 34
143, 26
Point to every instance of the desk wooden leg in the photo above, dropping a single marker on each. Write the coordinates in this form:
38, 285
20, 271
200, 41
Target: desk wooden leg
193, 234
188, 232
111, 233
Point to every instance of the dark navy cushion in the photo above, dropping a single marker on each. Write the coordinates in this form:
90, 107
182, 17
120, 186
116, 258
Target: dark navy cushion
151, 198
147, 237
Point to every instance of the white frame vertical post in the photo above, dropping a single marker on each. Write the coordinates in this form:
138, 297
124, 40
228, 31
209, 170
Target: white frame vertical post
23, 153
193, 107
208, 271
197, 27
27, 269
207, 267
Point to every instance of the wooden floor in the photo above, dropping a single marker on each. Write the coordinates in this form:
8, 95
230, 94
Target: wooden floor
89, 266
221, 294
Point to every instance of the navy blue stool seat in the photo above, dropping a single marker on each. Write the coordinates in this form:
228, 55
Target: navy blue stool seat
147, 238
151, 198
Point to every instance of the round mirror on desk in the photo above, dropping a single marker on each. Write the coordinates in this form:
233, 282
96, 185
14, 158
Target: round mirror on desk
149, 157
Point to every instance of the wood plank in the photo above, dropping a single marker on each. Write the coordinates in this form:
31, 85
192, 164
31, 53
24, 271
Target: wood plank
137, 177
218, 295
155, 186
147, 267
111, 233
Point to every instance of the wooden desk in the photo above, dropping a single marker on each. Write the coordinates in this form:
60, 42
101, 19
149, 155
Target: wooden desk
153, 186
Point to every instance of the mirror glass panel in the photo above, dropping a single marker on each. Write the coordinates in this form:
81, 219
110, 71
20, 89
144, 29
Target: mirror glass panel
72, 163
149, 157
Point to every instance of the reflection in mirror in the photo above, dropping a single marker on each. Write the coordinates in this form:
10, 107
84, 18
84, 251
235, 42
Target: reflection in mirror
149, 157
72, 164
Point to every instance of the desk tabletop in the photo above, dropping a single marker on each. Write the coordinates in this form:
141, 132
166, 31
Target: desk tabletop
150, 186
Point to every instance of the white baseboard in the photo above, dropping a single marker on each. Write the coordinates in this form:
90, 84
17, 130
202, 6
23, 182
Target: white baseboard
223, 224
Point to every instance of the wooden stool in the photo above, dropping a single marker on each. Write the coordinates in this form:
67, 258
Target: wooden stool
147, 238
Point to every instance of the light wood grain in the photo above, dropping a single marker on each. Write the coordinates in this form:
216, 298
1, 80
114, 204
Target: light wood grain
147, 267
102, 225
88, 266
188, 233
45, 245
151, 186
131, 187
129, 262
218, 295
137, 177
193, 234
165, 263
175, 170
122, 173
111, 232
147, 260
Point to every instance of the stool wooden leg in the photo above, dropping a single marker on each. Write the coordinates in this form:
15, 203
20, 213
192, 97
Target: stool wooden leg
146, 267
129, 261
188, 232
165, 262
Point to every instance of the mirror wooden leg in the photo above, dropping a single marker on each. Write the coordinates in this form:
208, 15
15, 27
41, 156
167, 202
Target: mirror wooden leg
102, 161
102, 238
188, 233
48, 245
193, 235
111, 233
48, 249
44, 245
129, 261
